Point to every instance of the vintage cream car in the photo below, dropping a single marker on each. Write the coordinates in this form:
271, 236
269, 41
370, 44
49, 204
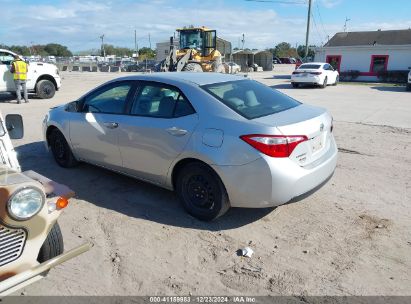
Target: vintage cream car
31, 242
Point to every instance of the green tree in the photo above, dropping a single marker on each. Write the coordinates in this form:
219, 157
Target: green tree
301, 51
118, 51
284, 49
146, 53
55, 49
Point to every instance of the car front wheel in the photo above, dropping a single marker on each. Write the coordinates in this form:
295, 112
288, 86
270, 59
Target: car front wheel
337, 80
52, 246
409, 87
202, 192
324, 85
61, 150
45, 89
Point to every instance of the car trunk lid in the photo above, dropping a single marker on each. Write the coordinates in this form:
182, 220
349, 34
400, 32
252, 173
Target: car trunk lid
313, 122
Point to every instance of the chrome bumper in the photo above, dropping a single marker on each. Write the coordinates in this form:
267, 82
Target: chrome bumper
27, 277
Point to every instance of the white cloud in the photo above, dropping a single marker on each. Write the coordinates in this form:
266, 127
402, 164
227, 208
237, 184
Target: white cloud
330, 3
79, 24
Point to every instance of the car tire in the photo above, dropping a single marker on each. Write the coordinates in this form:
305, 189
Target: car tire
294, 84
408, 87
202, 192
324, 85
61, 150
193, 67
337, 80
52, 246
45, 89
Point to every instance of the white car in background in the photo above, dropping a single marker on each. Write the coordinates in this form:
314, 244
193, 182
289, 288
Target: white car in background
409, 80
315, 73
43, 78
233, 68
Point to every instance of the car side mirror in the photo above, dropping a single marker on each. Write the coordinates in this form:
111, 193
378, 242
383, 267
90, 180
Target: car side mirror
14, 126
73, 106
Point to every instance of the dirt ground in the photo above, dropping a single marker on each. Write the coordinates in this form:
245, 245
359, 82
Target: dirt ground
352, 237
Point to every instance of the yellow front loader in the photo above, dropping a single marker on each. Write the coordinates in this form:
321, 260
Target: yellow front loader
197, 52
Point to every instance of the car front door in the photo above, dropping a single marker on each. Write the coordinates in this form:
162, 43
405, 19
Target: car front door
94, 129
6, 80
159, 125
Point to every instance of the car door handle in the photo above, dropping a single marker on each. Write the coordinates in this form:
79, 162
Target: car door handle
176, 131
111, 125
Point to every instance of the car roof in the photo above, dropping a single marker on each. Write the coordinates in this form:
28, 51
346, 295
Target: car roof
187, 77
320, 63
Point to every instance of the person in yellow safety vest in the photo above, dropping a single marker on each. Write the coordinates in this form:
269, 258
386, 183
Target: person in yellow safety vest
19, 68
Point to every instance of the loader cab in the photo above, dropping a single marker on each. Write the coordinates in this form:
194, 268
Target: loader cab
199, 39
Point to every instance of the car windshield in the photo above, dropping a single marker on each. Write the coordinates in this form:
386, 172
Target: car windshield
250, 98
309, 66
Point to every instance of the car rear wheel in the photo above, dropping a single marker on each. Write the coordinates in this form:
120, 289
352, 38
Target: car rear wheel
324, 85
202, 192
409, 87
61, 150
45, 89
294, 84
52, 246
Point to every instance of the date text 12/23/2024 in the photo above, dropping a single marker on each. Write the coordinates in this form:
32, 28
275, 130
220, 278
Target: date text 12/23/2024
202, 299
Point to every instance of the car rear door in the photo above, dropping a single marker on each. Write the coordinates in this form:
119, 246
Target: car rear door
160, 123
94, 130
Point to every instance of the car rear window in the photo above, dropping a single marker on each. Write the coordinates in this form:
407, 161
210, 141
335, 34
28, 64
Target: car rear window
310, 66
250, 98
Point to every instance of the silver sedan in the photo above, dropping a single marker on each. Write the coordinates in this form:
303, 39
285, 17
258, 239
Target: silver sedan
217, 140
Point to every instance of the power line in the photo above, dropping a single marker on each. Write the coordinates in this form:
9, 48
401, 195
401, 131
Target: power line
321, 20
318, 32
278, 1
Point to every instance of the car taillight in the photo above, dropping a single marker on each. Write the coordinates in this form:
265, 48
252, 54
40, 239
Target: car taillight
274, 145
316, 73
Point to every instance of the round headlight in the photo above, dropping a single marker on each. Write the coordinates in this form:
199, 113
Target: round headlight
25, 203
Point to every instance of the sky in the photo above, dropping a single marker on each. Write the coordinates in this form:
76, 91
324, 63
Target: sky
78, 24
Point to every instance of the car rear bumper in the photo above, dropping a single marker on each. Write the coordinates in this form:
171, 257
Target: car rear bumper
306, 79
269, 182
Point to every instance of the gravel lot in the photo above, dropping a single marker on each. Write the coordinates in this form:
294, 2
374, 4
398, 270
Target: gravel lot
352, 237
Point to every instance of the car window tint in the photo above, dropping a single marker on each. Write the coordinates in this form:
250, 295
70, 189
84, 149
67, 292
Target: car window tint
161, 101
111, 100
250, 99
310, 66
183, 107
5, 58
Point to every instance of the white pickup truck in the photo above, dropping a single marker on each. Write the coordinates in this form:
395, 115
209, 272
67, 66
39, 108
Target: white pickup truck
43, 79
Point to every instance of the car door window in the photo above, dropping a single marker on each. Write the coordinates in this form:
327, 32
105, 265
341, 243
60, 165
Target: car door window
161, 101
6, 58
110, 100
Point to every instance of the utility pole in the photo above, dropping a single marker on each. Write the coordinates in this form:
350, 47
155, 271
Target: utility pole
345, 24
149, 40
243, 41
135, 41
102, 46
308, 28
